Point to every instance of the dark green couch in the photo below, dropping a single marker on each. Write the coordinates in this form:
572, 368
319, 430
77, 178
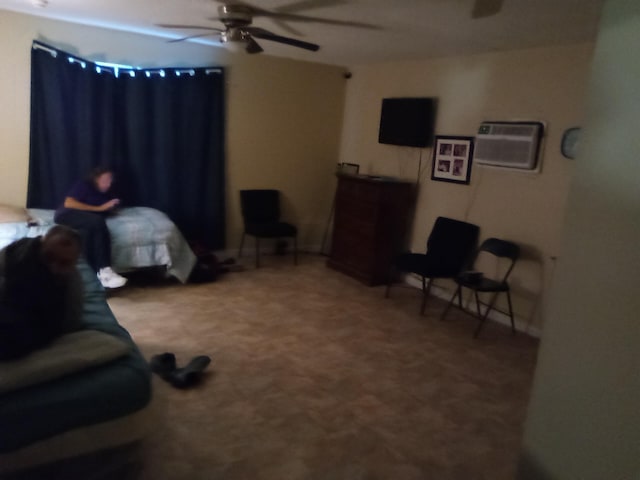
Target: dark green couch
96, 396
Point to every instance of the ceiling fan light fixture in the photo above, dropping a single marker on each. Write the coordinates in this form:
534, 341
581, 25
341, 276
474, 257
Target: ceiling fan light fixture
237, 18
233, 35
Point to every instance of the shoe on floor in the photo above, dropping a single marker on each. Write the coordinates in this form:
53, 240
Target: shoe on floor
110, 279
190, 374
163, 364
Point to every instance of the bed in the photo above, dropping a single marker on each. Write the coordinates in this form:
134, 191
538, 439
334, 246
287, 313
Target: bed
140, 237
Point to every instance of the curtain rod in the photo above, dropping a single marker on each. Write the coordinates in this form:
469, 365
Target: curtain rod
190, 70
52, 51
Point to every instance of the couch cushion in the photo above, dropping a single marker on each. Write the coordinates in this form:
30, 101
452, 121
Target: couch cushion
67, 354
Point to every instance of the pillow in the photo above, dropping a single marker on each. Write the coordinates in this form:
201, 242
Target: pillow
11, 214
67, 354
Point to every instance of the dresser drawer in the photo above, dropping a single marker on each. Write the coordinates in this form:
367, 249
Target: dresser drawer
370, 215
346, 222
358, 209
365, 193
354, 250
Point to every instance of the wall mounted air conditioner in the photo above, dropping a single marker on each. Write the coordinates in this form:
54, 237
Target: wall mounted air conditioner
508, 144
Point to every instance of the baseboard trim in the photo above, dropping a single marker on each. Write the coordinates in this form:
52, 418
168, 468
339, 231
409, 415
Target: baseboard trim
495, 316
249, 252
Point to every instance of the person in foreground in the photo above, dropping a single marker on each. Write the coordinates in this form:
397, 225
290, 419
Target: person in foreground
85, 208
41, 294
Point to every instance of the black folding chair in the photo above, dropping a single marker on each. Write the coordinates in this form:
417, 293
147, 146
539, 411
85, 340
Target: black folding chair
449, 249
261, 216
479, 283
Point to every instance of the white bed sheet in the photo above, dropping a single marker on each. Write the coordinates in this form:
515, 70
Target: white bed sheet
140, 237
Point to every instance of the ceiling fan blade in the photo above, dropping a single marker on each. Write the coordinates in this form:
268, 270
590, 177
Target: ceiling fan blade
276, 14
195, 27
253, 46
289, 8
266, 35
486, 8
287, 28
308, 5
257, 12
327, 21
189, 37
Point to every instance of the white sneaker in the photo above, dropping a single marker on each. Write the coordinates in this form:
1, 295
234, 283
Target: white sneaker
110, 279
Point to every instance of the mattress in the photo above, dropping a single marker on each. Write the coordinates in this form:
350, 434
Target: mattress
140, 237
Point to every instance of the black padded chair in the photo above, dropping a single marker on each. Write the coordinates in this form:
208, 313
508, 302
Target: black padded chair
477, 281
449, 249
261, 216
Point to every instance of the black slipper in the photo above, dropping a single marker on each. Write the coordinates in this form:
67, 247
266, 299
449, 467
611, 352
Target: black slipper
190, 374
163, 364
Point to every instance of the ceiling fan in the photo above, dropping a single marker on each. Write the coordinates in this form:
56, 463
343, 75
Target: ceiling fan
237, 18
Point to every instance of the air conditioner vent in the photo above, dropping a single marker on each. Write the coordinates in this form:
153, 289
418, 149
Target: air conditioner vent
508, 144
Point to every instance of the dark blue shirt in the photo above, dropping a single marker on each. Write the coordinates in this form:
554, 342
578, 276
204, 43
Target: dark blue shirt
85, 191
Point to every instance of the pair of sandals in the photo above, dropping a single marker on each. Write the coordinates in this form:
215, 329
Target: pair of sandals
165, 366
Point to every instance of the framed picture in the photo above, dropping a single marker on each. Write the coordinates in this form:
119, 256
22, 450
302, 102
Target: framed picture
452, 159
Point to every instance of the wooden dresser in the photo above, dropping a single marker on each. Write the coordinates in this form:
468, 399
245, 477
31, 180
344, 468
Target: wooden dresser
370, 226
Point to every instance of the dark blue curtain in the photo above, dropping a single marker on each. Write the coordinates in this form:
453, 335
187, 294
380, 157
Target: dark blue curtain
162, 131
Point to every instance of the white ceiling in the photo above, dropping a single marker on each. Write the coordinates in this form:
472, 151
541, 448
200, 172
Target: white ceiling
409, 29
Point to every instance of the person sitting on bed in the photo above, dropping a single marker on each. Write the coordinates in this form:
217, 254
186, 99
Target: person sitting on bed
41, 294
85, 208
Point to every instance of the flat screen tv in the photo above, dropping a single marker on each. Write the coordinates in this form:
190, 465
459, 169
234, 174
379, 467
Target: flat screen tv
407, 121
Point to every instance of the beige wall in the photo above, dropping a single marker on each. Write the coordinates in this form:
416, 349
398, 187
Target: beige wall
584, 415
540, 84
285, 125
284, 116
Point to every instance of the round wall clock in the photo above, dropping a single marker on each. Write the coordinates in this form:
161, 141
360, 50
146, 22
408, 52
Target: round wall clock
569, 144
